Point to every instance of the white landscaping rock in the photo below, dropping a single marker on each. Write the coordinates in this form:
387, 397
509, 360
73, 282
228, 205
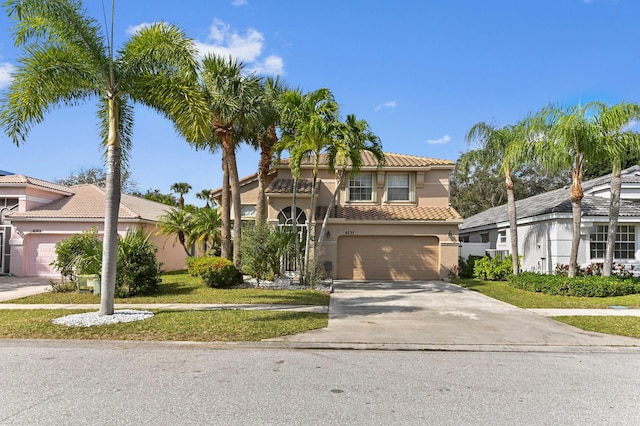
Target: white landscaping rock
90, 319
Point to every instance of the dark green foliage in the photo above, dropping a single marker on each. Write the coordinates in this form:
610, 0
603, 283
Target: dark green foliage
466, 267
138, 271
262, 248
78, 255
587, 286
216, 272
495, 269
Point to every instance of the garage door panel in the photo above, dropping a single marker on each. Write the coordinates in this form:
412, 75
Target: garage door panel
40, 253
389, 257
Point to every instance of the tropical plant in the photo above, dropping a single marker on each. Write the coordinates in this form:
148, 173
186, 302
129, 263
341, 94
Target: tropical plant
79, 254
616, 142
566, 140
158, 197
178, 222
234, 106
138, 269
262, 249
181, 188
205, 195
354, 138
507, 145
215, 272
311, 122
204, 228
67, 58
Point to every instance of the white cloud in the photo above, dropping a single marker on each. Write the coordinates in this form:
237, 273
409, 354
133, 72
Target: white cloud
390, 104
238, 3
6, 71
442, 140
224, 41
132, 29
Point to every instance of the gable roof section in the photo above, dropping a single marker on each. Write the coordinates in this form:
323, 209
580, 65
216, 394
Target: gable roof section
22, 180
391, 161
391, 213
88, 202
285, 186
557, 201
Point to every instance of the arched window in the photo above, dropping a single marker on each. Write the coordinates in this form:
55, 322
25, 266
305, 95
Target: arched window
285, 217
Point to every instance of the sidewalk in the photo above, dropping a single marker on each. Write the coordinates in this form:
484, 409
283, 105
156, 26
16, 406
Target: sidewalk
172, 307
612, 312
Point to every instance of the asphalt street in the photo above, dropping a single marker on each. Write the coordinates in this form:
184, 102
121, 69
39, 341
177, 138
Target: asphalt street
122, 383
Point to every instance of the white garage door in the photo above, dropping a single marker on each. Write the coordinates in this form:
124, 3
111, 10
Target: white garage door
388, 258
40, 252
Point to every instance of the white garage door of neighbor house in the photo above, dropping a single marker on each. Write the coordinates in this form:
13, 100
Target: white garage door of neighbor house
40, 252
388, 258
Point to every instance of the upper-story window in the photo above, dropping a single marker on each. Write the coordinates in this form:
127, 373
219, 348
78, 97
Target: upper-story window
399, 187
361, 187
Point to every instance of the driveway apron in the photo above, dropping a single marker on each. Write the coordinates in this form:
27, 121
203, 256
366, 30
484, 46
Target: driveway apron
15, 287
439, 313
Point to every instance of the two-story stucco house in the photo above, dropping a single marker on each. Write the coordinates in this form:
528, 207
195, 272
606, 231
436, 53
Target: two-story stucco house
392, 222
36, 214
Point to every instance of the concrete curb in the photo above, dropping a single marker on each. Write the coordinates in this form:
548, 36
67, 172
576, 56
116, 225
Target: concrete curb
172, 307
587, 312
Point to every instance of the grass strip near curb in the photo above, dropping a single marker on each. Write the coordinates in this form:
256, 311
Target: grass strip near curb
621, 326
182, 288
501, 290
200, 326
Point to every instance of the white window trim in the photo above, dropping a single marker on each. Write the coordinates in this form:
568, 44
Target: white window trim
373, 189
601, 259
412, 188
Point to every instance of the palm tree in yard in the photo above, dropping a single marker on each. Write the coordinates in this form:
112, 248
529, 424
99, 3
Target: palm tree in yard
355, 138
181, 188
567, 139
205, 195
67, 57
205, 228
504, 146
178, 222
234, 105
312, 123
616, 141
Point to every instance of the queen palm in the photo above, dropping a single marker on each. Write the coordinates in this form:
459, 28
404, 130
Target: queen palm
617, 140
205, 195
181, 188
233, 99
355, 138
205, 228
180, 223
67, 57
313, 120
567, 139
506, 145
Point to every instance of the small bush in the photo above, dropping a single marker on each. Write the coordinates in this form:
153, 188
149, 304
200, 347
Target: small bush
495, 269
216, 272
586, 286
465, 267
618, 269
78, 255
262, 248
138, 271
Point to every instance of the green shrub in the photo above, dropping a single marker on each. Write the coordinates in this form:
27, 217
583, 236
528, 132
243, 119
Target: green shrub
587, 286
262, 248
493, 269
138, 271
465, 267
79, 254
216, 272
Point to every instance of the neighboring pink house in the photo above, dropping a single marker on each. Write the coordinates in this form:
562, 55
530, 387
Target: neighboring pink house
36, 214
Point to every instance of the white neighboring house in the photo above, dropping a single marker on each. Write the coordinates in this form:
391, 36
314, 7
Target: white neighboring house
545, 226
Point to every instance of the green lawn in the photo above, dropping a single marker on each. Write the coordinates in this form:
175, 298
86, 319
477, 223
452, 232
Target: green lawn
182, 288
201, 326
621, 326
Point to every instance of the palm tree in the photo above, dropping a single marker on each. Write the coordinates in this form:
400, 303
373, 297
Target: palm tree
506, 146
617, 140
181, 188
233, 100
355, 137
178, 222
67, 58
205, 228
313, 120
205, 195
567, 139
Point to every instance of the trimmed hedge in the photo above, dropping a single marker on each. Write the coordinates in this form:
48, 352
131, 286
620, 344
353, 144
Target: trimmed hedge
589, 286
216, 272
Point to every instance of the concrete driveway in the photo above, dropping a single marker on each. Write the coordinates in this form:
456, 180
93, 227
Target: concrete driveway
14, 288
442, 314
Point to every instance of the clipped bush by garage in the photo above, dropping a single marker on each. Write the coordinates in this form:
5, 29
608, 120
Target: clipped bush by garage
589, 286
138, 271
493, 269
216, 272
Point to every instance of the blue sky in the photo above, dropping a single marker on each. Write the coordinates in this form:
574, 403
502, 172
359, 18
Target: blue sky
420, 72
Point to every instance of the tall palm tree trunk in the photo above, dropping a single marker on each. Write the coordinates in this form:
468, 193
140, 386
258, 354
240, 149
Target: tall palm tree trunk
576, 208
513, 222
266, 154
112, 206
614, 212
332, 203
311, 229
225, 204
294, 223
234, 181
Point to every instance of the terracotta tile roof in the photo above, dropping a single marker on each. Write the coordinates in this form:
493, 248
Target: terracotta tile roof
391, 160
26, 180
390, 213
88, 202
285, 186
